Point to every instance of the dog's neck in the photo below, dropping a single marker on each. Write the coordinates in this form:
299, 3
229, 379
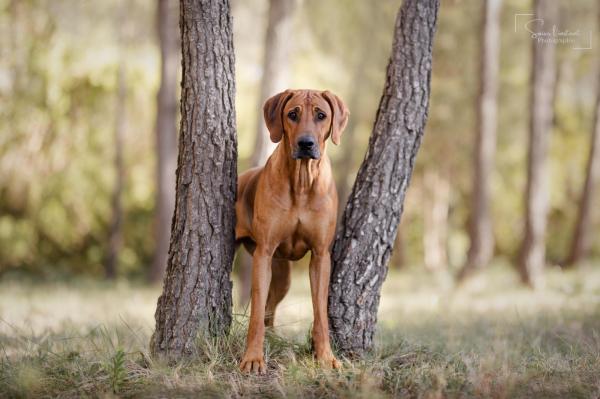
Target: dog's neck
302, 173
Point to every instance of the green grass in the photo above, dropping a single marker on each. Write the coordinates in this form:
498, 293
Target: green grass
491, 338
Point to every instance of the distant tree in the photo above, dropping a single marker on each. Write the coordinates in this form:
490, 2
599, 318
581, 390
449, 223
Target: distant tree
196, 295
276, 66
532, 256
480, 230
436, 205
582, 238
115, 233
357, 90
368, 227
166, 133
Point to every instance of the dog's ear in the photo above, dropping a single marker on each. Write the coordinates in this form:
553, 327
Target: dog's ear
340, 115
273, 113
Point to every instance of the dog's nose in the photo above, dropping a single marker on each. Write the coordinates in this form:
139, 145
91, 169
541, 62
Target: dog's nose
306, 142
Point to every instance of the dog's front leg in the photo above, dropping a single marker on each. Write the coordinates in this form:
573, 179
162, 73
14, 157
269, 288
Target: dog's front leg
320, 270
253, 359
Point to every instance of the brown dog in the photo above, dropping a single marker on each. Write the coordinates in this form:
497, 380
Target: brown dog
287, 208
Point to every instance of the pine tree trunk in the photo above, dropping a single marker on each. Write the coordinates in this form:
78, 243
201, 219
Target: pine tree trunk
196, 296
166, 133
368, 227
532, 257
115, 238
582, 239
481, 233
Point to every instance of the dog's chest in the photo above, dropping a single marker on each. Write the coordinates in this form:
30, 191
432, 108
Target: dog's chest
295, 243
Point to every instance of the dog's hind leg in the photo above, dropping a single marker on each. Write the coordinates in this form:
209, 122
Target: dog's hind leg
279, 287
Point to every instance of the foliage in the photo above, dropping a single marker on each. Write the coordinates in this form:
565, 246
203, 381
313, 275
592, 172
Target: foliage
58, 95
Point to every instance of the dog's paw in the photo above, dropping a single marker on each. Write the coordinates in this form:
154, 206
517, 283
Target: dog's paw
328, 360
253, 362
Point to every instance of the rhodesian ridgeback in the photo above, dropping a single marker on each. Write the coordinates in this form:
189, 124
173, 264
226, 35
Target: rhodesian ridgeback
287, 208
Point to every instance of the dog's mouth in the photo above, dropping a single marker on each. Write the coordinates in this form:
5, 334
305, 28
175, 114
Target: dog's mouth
306, 154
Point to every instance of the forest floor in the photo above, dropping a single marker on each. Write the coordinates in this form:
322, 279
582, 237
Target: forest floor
491, 338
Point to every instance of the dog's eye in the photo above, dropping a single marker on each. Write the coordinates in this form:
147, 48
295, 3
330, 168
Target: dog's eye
321, 116
293, 115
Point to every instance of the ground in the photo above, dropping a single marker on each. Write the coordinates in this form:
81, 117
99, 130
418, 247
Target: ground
491, 338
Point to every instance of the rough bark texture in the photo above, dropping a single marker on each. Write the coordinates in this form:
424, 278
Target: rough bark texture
368, 227
480, 230
196, 295
115, 238
582, 239
166, 133
532, 257
276, 65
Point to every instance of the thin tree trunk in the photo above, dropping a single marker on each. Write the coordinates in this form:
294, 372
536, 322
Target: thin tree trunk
347, 161
166, 133
436, 205
196, 295
582, 238
368, 227
399, 251
532, 257
115, 238
275, 78
276, 65
481, 232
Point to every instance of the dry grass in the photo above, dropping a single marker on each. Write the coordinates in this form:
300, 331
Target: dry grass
490, 339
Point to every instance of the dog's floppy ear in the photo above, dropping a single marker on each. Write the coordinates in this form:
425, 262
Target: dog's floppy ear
340, 115
273, 110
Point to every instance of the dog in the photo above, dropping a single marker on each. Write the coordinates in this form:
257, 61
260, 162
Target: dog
287, 208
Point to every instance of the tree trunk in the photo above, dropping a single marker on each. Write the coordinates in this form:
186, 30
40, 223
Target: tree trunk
532, 257
368, 227
275, 78
196, 295
166, 133
399, 251
276, 65
115, 238
481, 232
582, 239
347, 162
436, 205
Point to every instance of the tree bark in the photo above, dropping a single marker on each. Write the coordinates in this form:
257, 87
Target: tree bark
582, 238
368, 227
532, 257
481, 233
115, 235
196, 295
276, 65
166, 133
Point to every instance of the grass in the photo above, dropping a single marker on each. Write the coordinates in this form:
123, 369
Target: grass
491, 338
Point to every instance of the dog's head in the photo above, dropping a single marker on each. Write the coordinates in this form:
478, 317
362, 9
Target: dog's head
305, 119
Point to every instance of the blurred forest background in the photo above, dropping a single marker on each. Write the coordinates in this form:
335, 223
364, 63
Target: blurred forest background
78, 125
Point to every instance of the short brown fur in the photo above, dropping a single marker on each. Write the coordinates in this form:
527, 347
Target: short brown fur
287, 208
